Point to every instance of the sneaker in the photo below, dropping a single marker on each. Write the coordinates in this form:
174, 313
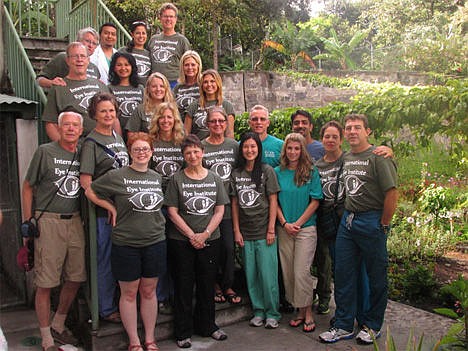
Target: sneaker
335, 334
271, 323
323, 308
219, 335
367, 336
256, 321
185, 343
65, 337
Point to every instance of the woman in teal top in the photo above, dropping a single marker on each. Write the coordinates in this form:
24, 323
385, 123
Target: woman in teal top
297, 234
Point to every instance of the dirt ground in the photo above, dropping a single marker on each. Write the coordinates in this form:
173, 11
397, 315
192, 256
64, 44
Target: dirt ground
451, 266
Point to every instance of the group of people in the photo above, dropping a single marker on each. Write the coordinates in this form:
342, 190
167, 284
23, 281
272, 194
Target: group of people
147, 136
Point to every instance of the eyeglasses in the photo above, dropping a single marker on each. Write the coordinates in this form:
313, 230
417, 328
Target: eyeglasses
76, 57
166, 16
217, 121
138, 150
87, 41
257, 119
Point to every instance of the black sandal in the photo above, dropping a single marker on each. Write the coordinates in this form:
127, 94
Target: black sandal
232, 297
219, 297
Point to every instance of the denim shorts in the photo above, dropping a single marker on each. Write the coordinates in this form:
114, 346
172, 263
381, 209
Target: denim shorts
132, 263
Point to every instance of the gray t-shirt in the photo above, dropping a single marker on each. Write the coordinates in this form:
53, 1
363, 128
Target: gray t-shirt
167, 159
222, 159
196, 201
367, 177
138, 198
328, 172
140, 120
166, 52
55, 174
57, 67
128, 98
199, 115
143, 62
74, 96
254, 203
184, 96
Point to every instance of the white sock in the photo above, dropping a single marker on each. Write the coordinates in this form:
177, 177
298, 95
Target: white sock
47, 339
58, 322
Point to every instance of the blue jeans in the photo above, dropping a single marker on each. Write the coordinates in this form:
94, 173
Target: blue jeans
360, 239
106, 281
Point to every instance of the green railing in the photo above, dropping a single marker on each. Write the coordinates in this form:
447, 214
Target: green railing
20, 70
32, 18
94, 13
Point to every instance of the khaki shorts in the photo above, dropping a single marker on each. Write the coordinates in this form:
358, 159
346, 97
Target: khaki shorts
60, 249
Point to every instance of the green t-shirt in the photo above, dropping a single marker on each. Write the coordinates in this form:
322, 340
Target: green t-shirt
367, 177
328, 172
222, 159
52, 176
184, 96
199, 115
74, 96
254, 203
140, 120
196, 201
138, 198
143, 62
128, 98
167, 159
293, 199
271, 147
166, 52
57, 67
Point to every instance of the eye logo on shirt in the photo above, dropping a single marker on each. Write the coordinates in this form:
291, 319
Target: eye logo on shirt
184, 100
200, 120
68, 186
223, 169
248, 197
353, 185
199, 205
162, 55
329, 189
127, 107
85, 102
167, 168
142, 68
145, 200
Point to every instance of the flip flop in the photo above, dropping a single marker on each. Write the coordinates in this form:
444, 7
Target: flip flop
308, 327
219, 297
113, 318
296, 322
232, 297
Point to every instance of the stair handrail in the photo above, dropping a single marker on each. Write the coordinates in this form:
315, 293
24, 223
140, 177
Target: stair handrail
94, 13
19, 65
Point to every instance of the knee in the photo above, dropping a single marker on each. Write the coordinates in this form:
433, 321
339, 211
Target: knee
148, 293
129, 295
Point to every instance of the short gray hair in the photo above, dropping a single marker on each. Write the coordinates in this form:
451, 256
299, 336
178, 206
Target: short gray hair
64, 113
259, 108
81, 33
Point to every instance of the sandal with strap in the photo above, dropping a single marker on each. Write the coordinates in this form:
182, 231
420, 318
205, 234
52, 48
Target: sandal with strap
308, 327
114, 317
233, 298
219, 297
135, 347
151, 346
296, 322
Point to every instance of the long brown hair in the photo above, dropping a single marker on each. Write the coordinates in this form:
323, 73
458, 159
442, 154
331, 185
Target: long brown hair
219, 83
304, 165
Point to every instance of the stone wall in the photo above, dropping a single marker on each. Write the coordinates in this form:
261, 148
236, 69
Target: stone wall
274, 91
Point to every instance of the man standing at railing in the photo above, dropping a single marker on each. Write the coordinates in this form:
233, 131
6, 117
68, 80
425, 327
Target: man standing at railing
102, 56
56, 69
168, 47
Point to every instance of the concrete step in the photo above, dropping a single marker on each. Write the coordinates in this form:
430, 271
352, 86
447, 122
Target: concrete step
41, 50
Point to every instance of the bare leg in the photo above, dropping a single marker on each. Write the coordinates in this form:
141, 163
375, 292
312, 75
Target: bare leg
148, 306
42, 303
128, 309
67, 295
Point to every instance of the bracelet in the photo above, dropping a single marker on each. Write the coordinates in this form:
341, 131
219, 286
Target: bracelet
284, 223
206, 230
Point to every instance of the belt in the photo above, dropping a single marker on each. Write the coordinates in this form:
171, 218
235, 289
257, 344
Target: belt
58, 215
66, 216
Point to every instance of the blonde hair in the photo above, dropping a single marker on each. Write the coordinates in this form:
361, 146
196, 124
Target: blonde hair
148, 103
177, 129
189, 54
304, 166
219, 83
168, 6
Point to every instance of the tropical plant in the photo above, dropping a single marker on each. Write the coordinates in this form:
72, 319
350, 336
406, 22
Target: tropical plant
339, 51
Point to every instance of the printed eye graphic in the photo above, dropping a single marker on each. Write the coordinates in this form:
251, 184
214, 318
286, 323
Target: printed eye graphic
167, 168
142, 68
200, 120
145, 200
353, 184
329, 189
127, 107
223, 169
247, 198
199, 205
69, 186
162, 55
184, 101
85, 102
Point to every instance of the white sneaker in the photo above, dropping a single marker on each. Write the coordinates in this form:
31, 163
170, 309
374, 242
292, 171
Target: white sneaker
271, 323
335, 334
367, 336
256, 321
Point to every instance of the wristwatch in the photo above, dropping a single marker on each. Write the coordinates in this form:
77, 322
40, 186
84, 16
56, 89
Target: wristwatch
386, 228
